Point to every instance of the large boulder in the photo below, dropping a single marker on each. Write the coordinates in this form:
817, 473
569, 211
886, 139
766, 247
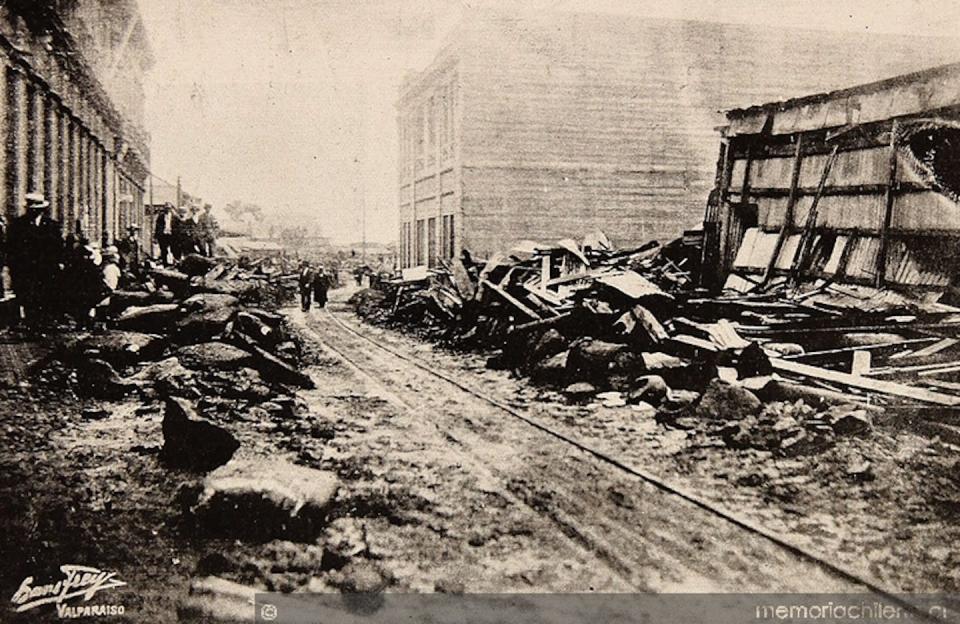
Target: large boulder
156, 318
580, 392
195, 265
213, 599
253, 326
723, 400
590, 360
265, 499
650, 389
192, 443
275, 370
121, 348
213, 356
545, 346
551, 371
242, 383
123, 299
209, 301
96, 378
207, 315
168, 377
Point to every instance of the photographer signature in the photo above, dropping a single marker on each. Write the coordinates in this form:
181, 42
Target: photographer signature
78, 581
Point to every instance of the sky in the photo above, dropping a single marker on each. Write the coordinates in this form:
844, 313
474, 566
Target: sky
290, 104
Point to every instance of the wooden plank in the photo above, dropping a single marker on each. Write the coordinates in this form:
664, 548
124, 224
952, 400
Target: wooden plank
939, 383
806, 237
696, 343
940, 371
863, 383
861, 363
788, 213
511, 299
844, 350
895, 370
888, 209
927, 351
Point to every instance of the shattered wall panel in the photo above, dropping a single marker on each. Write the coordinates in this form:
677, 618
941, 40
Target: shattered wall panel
851, 168
771, 172
862, 262
927, 210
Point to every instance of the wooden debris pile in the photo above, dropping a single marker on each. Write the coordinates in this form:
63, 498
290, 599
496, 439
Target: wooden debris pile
612, 327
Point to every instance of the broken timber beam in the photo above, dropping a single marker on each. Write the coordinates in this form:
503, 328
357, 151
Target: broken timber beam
881, 275
511, 299
806, 237
788, 212
863, 383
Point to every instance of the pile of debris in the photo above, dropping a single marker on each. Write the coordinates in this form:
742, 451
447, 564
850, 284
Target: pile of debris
630, 327
478, 303
258, 282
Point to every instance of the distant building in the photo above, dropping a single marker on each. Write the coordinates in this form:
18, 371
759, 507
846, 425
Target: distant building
875, 164
72, 118
549, 127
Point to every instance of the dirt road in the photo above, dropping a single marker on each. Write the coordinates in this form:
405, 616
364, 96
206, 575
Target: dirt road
506, 506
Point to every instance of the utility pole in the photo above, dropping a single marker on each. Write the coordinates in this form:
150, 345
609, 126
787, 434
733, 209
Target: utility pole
179, 192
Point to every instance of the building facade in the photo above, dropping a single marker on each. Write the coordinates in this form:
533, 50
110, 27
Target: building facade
553, 126
859, 186
72, 112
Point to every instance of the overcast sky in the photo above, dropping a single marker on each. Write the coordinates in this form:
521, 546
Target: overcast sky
290, 103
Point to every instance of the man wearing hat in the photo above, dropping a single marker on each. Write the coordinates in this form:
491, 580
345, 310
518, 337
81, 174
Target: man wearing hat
163, 232
34, 254
129, 249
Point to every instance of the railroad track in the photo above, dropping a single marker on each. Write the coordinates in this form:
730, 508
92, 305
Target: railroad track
853, 581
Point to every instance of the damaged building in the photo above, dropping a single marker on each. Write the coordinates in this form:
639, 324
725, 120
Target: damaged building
855, 187
547, 127
72, 118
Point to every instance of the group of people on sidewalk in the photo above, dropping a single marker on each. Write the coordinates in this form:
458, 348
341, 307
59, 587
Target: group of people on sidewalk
54, 275
180, 232
314, 285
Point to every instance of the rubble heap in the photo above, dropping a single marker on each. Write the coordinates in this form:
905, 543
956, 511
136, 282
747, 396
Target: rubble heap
201, 339
630, 327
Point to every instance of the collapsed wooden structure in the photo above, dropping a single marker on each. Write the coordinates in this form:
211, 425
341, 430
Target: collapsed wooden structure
856, 186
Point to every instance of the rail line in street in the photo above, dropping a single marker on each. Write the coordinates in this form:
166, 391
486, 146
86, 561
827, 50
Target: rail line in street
819, 560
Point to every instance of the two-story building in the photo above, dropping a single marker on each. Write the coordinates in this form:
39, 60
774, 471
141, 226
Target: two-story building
552, 126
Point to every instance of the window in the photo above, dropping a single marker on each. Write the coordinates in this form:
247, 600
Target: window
451, 238
431, 131
420, 132
419, 242
432, 242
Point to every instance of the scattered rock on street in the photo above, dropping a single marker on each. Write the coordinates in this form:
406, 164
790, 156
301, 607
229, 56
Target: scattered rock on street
215, 599
725, 401
848, 421
580, 391
651, 389
121, 348
213, 356
156, 319
265, 499
192, 443
98, 379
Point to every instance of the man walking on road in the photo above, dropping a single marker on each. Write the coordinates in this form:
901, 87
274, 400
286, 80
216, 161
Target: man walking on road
305, 280
321, 284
